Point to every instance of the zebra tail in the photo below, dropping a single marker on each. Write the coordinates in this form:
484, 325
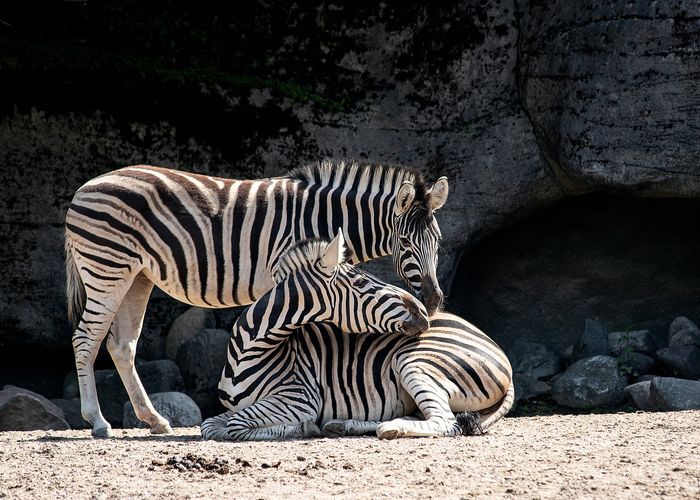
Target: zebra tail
75, 290
474, 423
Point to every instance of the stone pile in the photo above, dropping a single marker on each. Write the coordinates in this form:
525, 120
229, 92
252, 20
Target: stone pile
182, 386
604, 369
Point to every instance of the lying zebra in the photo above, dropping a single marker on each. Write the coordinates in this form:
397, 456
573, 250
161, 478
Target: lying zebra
313, 372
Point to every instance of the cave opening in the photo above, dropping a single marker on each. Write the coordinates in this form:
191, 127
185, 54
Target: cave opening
631, 263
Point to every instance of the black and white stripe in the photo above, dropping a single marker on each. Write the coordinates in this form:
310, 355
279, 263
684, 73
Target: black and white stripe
212, 242
265, 378
318, 375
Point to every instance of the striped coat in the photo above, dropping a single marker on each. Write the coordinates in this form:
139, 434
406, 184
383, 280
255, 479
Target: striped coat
212, 242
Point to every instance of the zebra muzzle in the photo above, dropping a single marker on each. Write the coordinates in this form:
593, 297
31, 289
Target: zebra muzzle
418, 322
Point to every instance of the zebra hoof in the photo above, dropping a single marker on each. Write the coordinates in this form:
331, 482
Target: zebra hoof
162, 429
334, 429
102, 432
310, 429
386, 432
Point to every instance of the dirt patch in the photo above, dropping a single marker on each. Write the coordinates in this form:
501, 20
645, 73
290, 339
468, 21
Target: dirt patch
618, 455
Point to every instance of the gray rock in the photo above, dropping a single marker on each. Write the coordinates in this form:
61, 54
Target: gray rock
675, 394
151, 345
681, 360
201, 360
592, 342
591, 382
683, 332
71, 412
646, 378
161, 375
527, 387
177, 408
186, 326
635, 363
23, 410
640, 396
632, 341
534, 359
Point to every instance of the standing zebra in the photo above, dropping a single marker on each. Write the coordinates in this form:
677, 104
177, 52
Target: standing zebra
211, 242
281, 381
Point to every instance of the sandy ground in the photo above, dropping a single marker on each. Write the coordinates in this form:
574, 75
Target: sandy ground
620, 455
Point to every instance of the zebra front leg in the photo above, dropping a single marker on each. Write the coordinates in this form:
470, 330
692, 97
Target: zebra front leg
266, 420
340, 428
121, 344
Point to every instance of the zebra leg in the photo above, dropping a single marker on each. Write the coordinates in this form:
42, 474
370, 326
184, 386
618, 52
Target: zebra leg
434, 404
268, 419
340, 428
98, 313
121, 344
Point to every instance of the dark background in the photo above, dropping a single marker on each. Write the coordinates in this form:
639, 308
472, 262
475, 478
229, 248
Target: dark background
569, 132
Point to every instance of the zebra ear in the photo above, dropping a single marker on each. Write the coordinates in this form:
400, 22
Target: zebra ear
404, 198
335, 251
438, 193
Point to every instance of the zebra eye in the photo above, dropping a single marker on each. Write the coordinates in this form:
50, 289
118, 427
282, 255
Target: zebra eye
405, 241
360, 282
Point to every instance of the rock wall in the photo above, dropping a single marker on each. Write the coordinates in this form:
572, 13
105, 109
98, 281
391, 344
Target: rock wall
519, 103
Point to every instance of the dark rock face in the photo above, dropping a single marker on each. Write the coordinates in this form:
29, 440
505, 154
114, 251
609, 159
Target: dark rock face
626, 262
177, 408
608, 86
186, 326
23, 410
519, 105
590, 382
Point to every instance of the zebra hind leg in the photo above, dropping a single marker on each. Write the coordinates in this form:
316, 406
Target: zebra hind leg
92, 328
432, 401
121, 344
340, 428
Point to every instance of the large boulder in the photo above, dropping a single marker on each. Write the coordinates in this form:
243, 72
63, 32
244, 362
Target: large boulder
23, 410
177, 408
590, 382
534, 359
592, 342
527, 387
71, 412
669, 393
681, 360
201, 360
683, 332
186, 326
640, 395
639, 341
635, 363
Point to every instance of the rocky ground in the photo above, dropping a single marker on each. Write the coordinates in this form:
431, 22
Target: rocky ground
617, 455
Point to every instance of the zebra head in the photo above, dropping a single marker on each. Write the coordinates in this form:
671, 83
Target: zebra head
356, 302
416, 237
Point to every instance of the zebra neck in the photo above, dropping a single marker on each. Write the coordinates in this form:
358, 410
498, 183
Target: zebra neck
270, 321
366, 218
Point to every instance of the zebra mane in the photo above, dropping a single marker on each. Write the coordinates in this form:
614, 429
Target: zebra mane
301, 255
330, 172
